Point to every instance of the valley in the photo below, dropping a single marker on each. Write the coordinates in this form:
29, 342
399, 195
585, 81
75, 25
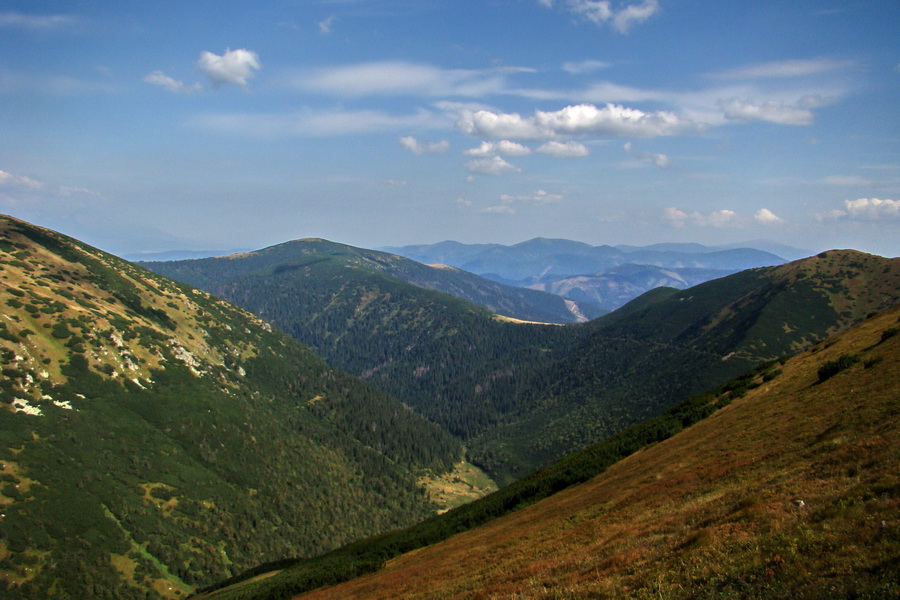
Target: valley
180, 440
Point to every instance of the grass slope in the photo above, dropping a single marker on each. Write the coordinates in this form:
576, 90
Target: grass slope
154, 438
790, 491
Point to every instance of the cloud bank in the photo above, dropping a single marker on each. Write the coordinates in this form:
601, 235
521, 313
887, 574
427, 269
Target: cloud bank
577, 120
868, 209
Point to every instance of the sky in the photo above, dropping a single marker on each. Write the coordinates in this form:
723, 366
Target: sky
153, 126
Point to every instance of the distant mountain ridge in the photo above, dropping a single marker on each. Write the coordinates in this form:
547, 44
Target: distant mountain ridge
595, 274
545, 256
515, 302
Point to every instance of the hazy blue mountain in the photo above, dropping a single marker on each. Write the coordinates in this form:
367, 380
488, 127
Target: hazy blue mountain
617, 286
525, 262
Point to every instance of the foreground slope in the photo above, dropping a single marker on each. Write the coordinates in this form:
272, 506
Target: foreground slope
790, 491
154, 438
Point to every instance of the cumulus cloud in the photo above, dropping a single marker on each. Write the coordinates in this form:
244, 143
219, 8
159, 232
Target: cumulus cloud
772, 112
868, 209
491, 166
234, 66
418, 148
578, 120
504, 147
680, 218
602, 12
173, 85
767, 217
564, 149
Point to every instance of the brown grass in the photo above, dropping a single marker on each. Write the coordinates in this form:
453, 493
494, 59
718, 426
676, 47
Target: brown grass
789, 492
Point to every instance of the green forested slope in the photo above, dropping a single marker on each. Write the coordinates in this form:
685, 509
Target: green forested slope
154, 438
514, 302
523, 395
637, 361
454, 362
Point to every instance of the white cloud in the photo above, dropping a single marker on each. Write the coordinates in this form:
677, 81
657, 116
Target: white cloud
584, 66
491, 166
660, 160
538, 197
317, 123
35, 22
418, 148
17, 190
504, 147
54, 85
868, 209
680, 218
173, 85
234, 66
772, 112
579, 120
767, 217
403, 77
325, 25
786, 69
503, 209
564, 149
20, 182
601, 12
846, 180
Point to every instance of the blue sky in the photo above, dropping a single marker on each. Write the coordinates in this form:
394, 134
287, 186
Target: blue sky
148, 126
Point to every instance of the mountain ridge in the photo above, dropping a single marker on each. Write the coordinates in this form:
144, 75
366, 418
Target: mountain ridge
154, 438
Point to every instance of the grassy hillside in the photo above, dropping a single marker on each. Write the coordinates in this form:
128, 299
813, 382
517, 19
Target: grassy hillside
789, 490
154, 438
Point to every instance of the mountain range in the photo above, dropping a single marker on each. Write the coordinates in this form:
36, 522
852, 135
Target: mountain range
605, 276
157, 438
520, 395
